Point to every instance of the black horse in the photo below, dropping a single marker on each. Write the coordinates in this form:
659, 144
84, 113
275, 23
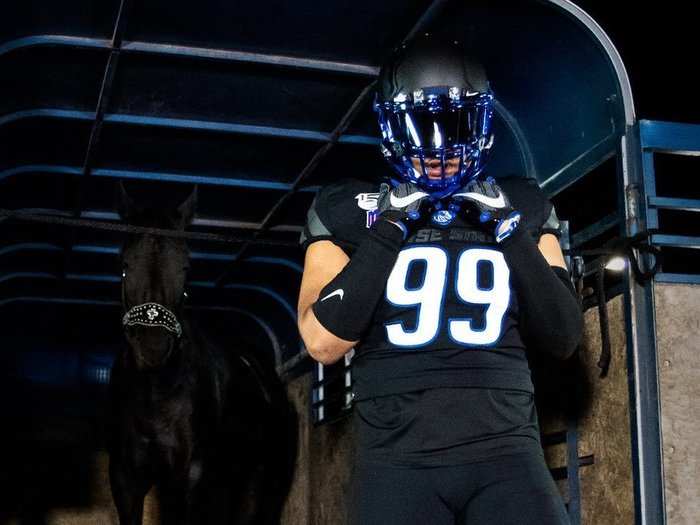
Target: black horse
212, 430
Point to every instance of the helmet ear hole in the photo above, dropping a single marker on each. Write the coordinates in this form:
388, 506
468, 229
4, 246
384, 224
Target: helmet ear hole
486, 143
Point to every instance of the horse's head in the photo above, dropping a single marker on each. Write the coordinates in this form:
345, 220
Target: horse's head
154, 270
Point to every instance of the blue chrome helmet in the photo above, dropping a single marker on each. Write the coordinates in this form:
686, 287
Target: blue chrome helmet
435, 109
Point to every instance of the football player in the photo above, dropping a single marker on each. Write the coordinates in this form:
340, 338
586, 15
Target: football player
440, 278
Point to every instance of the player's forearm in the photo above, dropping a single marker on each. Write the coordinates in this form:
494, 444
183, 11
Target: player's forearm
347, 303
550, 313
322, 345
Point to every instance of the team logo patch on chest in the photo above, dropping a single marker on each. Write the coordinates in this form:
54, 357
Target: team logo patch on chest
368, 202
443, 218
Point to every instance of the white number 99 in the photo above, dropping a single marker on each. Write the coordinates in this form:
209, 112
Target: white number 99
429, 296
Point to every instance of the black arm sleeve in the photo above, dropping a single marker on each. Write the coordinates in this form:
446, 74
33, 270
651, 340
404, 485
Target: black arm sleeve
346, 305
550, 313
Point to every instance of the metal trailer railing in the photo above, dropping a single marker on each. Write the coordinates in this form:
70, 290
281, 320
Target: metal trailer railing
638, 180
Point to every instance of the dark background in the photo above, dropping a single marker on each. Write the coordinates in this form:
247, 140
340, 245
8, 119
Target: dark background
658, 42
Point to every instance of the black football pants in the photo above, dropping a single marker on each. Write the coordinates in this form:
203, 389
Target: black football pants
508, 490
452, 457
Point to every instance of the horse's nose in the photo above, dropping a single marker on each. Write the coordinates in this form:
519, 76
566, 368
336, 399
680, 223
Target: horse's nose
151, 346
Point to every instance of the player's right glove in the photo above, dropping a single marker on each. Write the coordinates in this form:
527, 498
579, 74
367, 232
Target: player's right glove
403, 205
486, 204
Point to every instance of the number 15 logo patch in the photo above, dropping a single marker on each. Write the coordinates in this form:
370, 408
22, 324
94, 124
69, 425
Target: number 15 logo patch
368, 202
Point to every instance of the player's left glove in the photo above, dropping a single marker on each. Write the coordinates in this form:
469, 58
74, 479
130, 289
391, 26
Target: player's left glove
403, 205
485, 203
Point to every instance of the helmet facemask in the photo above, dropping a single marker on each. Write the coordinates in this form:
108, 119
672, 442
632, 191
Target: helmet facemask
437, 138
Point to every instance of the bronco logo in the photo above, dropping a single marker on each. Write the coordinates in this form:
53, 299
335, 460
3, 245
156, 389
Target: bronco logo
443, 218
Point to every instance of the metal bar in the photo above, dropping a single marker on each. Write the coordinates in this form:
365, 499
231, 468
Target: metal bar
670, 137
274, 340
26, 275
54, 40
197, 221
102, 101
609, 48
553, 438
581, 165
66, 114
57, 300
236, 128
183, 178
115, 250
321, 153
250, 287
73, 184
428, 16
649, 180
526, 156
678, 241
242, 225
640, 324
674, 204
572, 468
227, 55
679, 278
124, 228
594, 230
39, 168
197, 125
200, 179
354, 109
293, 362
562, 472
272, 336
116, 279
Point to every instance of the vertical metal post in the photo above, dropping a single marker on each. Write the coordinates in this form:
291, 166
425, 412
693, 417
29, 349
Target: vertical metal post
572, 459
572, 471
645, 410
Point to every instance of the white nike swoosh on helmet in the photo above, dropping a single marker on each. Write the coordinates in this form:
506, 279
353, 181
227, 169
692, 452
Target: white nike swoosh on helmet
494, 202
402, 202
338, 292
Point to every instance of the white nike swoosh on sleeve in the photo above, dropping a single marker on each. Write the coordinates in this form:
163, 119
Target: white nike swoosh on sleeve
338, 292
494, 202
402, 202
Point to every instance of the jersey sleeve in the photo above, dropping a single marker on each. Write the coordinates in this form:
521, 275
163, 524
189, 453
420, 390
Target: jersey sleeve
339, 214
315, 229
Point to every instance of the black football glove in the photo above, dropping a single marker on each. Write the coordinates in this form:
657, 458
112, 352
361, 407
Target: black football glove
403, 205
485, 203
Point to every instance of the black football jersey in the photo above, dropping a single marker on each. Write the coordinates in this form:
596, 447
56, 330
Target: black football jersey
449, 315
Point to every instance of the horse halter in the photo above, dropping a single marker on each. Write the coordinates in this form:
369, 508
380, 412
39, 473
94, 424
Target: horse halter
150, 314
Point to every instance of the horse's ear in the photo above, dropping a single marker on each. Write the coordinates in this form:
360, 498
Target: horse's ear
126, 207
185, 211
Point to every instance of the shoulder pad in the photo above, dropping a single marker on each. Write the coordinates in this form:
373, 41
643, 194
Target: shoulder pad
340, 213
552, 224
